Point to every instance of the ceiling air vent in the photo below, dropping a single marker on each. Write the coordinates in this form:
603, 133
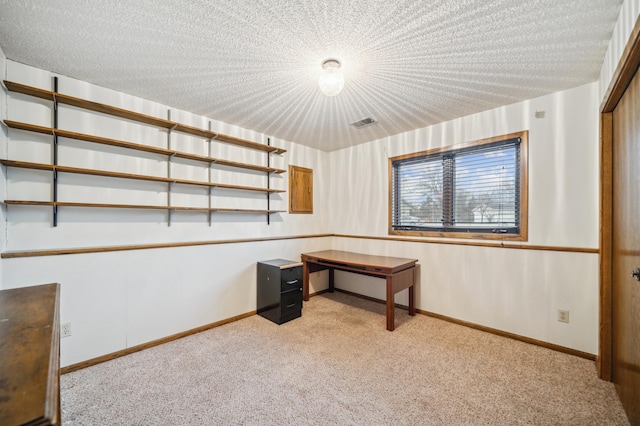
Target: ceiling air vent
363, 123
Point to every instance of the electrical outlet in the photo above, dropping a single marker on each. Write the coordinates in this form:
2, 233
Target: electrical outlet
65, 329
563, 316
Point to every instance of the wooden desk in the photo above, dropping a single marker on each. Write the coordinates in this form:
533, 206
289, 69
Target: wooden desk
30, 356
399, 273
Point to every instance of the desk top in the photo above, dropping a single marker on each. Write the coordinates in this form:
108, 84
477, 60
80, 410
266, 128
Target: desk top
359, 259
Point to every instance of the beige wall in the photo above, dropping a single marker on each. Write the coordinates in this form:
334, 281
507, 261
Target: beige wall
629, 13
519, 291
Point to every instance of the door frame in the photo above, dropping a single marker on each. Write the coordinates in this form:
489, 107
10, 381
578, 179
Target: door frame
626, 69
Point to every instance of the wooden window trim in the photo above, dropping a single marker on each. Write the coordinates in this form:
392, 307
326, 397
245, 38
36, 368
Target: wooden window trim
524, 191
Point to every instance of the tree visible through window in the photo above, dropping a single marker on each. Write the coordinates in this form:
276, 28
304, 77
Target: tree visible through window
476, 190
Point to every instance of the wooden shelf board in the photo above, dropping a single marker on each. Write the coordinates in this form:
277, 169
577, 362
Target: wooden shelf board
105, 173
134, 206
87, 138
248, 188
246, 210
28, 90
134, 116
134, 146
74, 204
239, 165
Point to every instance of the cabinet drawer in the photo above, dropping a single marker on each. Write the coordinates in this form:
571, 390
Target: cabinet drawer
290, 301
291, 278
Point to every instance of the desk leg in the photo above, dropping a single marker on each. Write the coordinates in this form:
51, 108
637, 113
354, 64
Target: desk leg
332, 285
305, 281
412, 300
390, 305
395, 283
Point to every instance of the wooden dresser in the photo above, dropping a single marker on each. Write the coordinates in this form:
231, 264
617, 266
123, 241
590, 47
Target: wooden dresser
30, 355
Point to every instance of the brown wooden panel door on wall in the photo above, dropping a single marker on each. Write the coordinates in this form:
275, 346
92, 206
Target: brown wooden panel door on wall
300, 190
626, 250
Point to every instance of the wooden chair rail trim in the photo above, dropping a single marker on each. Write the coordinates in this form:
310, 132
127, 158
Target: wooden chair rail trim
57, 252
137, 348
477, 244
105, 173
134, 116
135, 146
135, 206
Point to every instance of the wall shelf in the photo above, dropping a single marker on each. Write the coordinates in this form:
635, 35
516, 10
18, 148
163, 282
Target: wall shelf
135, 206
170, 154
135, 146
134, 116
106, 173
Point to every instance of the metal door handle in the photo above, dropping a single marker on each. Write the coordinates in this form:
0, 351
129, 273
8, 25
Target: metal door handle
636, 274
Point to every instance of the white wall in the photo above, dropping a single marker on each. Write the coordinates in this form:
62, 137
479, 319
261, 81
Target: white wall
629, 13
120, 299
518, 291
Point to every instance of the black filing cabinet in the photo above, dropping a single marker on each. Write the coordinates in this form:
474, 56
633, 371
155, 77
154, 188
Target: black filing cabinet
279, 294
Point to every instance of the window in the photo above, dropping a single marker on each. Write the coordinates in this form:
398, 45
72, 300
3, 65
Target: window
476, 190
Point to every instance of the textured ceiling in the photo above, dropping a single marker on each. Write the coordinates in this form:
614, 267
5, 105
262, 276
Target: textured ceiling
407, 63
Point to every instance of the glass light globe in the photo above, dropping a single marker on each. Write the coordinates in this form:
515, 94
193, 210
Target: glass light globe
331, 80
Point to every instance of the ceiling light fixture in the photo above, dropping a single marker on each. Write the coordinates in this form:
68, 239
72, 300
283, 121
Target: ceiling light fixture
331, 80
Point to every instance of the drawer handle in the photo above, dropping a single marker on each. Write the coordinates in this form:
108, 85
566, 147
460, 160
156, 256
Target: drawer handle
292, 282
291, 305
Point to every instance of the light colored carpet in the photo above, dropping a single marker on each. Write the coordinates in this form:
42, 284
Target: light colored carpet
337, 365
